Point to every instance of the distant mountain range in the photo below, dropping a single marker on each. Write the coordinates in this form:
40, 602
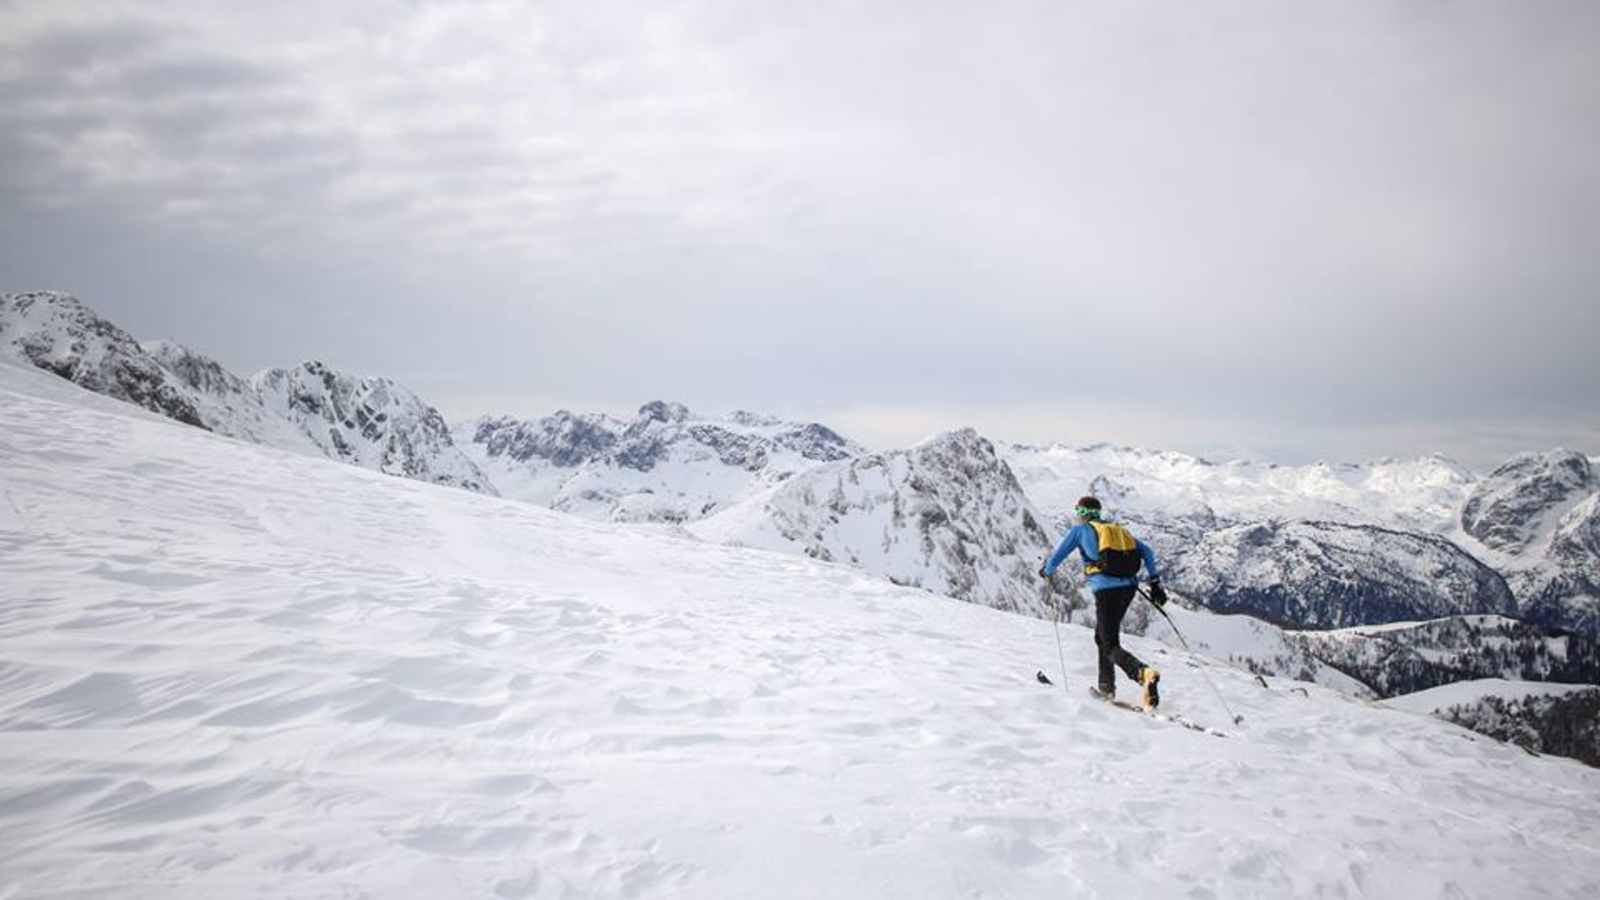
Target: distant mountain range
1321, 546
665, 465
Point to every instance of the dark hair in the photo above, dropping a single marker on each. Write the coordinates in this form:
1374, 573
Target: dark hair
1088, 503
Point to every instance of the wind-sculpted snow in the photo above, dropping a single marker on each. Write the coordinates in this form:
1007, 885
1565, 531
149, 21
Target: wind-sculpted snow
666, 465
371, 422
947, 516
1329, 575
227, 671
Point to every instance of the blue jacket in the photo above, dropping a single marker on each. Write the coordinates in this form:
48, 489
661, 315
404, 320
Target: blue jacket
1083, 537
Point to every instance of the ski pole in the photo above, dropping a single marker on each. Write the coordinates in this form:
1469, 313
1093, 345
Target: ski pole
1237, 720
1049, 592
1061, 654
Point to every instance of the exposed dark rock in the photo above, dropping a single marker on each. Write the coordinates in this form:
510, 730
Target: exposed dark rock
1508, 508
1331, 575
1560, 725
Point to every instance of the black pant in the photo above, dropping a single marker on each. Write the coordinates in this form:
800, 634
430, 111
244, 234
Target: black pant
1109, 608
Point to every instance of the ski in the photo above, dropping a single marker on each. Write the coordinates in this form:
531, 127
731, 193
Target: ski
1157, 714
1154, 714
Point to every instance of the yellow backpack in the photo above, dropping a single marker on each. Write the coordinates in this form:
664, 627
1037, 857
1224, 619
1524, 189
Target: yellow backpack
1119, 552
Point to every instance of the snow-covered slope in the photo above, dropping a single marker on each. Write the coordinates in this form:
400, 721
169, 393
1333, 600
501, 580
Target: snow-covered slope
667, 465
370, 422
374, 423
1243, 641
946, 516
1329, 575
226, 671
1407, 657
1563, 719
1470, 692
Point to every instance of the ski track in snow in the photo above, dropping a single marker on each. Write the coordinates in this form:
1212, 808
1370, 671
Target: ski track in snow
230, 672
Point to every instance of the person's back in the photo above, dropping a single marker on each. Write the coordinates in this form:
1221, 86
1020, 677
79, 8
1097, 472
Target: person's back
1112, 557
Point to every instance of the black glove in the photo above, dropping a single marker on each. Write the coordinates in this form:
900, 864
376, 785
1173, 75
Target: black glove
1043, 574
1157, 595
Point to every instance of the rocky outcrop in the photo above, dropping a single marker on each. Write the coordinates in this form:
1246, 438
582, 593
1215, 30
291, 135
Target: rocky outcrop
371, 422
1561, 725
1403, 659
1511, 508
665, 465
57, 333
1564, 592
947, 515
1331, 575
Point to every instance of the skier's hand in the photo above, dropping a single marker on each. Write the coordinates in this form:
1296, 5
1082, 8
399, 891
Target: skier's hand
1043, 574
1158, 596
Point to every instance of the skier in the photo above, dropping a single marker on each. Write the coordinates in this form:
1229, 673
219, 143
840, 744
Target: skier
1112, 558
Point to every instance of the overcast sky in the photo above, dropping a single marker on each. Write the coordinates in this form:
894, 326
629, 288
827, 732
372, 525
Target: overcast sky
1284, 230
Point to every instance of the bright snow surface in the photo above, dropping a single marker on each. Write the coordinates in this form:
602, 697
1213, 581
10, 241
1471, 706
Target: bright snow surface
228, 671
1467, 693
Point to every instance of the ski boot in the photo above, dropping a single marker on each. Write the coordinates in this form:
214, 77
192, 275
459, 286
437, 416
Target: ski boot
1148, 678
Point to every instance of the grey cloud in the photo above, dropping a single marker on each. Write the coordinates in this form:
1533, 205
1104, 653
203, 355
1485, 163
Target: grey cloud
197, 74
1302, 216
75, 46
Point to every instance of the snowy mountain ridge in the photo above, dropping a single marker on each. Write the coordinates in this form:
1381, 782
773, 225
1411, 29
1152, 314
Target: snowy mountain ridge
665, 465
1165, 487
1320, 545
232, 671
1331, 575
947, 516
1536, 518
371, 422
311, 409
1538, 512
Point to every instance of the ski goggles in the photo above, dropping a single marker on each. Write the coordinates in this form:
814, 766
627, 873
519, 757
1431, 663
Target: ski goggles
1086, 512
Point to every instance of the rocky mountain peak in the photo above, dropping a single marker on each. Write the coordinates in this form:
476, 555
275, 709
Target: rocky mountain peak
947, 515
1511, 507
197, 370
56, 332
370, 421
661, 411
1578, 534
562, 438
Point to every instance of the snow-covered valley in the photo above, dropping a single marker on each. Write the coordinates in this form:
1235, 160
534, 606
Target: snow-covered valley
230, 671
